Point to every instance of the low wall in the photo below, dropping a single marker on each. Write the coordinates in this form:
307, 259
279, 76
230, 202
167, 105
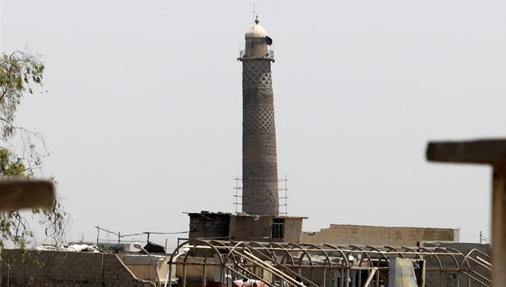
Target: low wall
57, 268
378, 235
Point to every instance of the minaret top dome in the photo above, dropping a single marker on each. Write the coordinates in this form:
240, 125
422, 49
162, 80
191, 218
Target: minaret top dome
256, 31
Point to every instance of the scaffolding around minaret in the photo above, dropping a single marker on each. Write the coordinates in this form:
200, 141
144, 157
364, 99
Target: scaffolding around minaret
259, 159
282, 192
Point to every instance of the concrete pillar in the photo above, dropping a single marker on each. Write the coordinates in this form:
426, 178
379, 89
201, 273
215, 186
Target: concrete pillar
491, 152
499, 227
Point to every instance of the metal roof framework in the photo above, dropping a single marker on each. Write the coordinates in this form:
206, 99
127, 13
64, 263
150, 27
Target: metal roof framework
291, 263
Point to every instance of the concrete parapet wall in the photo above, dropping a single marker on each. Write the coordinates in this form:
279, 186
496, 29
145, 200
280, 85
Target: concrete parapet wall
195, 269
378, 235
56, 268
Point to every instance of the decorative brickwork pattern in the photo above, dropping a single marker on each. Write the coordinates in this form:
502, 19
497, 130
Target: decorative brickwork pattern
259, 120
260, 175
257, 74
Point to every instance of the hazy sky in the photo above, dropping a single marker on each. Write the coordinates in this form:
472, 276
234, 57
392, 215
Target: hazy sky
143, 115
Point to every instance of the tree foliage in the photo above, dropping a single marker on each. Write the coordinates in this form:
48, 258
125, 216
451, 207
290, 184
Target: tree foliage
22, 74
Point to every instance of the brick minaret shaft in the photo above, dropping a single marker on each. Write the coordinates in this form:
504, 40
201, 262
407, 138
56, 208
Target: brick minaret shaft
259, 163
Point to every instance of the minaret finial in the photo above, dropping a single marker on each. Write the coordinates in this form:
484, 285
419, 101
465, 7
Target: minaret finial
255, 12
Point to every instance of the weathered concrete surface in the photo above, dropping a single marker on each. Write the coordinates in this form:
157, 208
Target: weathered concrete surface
243, 227
246, 228
378, 235
209, 225
55, 268
293, 229
195, 272
499, 227
144, 266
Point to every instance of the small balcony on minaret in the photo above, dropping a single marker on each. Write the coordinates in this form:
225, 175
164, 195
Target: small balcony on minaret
268, 55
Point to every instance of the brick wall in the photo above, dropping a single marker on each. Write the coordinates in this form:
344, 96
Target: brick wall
214, 225
378, 235
55, 269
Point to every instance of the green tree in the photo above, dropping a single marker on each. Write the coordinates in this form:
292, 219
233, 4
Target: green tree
21, 74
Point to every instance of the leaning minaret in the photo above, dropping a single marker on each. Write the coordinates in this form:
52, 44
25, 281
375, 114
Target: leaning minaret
259, 163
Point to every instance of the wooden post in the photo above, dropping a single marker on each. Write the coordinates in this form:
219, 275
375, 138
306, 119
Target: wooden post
499, 227
491, 152
18, 194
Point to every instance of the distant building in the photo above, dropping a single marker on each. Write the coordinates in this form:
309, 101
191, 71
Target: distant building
245, 227
341, 234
